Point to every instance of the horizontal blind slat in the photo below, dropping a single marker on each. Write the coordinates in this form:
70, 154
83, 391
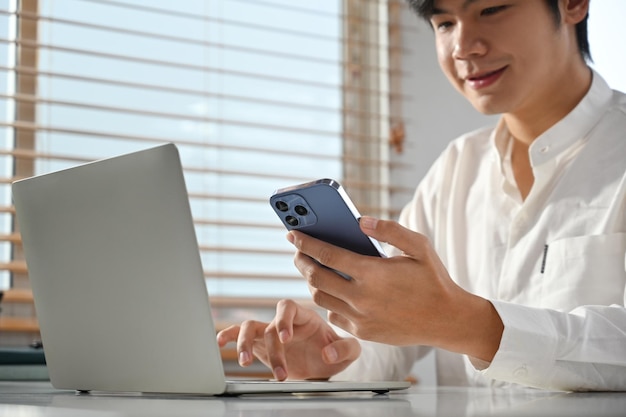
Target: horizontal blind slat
82, 132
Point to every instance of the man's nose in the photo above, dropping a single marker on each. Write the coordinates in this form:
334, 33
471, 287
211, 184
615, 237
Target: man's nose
468, 42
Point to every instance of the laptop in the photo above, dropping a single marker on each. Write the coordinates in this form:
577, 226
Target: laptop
118, 283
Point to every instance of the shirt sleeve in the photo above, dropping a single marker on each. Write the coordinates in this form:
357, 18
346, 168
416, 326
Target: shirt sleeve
580, 350
380, 362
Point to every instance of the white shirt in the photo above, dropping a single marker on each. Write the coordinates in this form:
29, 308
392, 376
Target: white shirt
553, 265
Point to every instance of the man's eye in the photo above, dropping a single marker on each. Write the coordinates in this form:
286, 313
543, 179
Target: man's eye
443, 25
492, 10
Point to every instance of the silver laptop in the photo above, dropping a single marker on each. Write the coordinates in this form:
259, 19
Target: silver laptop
118, 283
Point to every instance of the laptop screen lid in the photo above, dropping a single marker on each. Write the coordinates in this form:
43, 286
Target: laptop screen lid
118, 283
116, 276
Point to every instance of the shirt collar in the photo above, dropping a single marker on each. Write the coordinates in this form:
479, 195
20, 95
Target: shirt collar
575, 125
569, 130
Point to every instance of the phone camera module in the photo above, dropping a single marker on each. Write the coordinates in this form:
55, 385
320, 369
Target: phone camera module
282, 206
301, 210
292, 221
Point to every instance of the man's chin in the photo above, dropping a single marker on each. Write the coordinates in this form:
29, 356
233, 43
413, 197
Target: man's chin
488, 106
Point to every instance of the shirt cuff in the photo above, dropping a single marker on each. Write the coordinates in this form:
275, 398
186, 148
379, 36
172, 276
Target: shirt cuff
528, 347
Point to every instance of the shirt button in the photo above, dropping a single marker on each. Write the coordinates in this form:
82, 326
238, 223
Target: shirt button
545, 149
520, 372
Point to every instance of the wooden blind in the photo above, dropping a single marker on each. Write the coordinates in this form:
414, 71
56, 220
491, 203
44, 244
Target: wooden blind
257, 95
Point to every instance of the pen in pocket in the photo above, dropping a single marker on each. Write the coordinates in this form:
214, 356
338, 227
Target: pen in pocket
543, 261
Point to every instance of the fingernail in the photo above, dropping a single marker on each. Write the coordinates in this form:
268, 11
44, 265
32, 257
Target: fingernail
283, 335
290, 237
244, 358
279, 373
331, 354
368, 222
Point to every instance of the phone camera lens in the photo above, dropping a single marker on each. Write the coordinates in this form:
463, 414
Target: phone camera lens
281, 205
301, 210
292, 221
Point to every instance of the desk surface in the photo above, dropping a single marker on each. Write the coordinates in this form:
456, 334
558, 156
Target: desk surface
27, 399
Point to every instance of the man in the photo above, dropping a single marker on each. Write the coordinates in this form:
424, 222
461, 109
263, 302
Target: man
511, 257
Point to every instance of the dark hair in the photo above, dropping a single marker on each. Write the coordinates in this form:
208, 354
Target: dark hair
424, 8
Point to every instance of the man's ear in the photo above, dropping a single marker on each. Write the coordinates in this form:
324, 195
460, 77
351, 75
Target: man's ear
574, 11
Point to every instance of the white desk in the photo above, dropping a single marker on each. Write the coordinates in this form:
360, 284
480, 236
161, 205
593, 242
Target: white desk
26, 399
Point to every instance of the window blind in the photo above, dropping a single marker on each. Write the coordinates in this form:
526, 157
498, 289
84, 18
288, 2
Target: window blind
257, 95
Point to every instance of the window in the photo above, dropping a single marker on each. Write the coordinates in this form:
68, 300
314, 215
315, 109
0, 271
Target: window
256, 94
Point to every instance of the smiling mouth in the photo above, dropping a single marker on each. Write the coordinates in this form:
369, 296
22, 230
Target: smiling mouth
486, 75
485, 79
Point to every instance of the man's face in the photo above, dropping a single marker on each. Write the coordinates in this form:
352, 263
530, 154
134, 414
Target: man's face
504, 56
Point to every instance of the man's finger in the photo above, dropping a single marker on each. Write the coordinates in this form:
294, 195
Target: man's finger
275, 353
290, 314
342, 350
286, 317
249, 332
227, 335
408, 241
322, 280
333, 257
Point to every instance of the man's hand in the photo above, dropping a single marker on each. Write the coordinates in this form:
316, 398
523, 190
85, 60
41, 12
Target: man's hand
403, 300
296, 344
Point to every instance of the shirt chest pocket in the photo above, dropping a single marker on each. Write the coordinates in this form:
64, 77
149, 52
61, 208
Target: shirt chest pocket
586, 270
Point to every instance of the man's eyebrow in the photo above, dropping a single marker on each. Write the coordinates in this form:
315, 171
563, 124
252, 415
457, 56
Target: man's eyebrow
464, 6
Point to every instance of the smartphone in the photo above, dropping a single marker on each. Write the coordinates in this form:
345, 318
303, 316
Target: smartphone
322, 209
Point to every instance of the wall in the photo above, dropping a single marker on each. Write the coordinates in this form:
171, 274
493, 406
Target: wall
607, 38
